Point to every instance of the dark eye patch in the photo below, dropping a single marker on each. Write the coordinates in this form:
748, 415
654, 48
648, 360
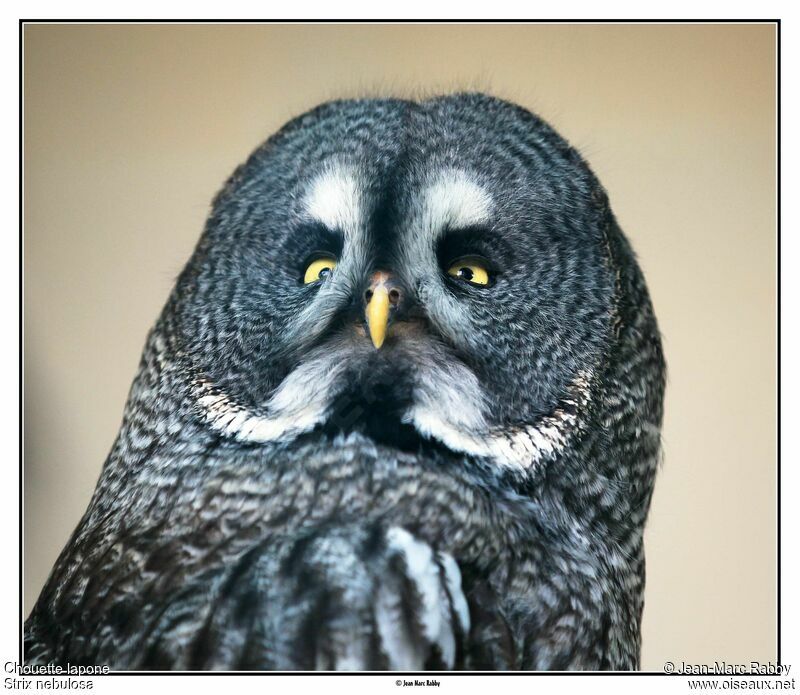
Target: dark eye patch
311, 240
479, 242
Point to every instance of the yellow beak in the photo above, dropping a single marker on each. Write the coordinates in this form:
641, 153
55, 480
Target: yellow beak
377, 313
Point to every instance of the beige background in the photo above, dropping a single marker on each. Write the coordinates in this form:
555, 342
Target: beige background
129, 131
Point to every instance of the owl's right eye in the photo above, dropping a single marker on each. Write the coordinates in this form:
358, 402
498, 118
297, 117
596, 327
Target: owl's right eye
318, 269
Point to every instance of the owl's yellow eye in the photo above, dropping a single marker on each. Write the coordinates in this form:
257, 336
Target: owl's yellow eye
319, 269
470, 269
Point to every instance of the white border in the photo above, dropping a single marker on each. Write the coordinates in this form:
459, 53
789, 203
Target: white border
9, 279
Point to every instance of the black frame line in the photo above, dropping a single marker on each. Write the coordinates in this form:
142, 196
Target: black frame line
777, 22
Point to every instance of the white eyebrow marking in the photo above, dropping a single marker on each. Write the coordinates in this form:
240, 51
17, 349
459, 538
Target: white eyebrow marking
453, 199
335, 199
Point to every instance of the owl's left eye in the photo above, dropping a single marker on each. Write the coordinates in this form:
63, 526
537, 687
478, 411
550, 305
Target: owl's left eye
319, 269
470, 269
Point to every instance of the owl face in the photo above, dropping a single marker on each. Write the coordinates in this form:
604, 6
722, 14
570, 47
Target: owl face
418, 272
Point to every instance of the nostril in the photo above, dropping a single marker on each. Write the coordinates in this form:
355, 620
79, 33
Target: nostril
394, 296
368, 295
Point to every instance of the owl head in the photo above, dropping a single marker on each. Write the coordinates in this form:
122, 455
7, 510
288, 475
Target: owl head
441, 273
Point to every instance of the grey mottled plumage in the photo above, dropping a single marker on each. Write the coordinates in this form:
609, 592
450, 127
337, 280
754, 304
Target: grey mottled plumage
283, 495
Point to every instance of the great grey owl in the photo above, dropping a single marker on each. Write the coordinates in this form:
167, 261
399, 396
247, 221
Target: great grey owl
402, 410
